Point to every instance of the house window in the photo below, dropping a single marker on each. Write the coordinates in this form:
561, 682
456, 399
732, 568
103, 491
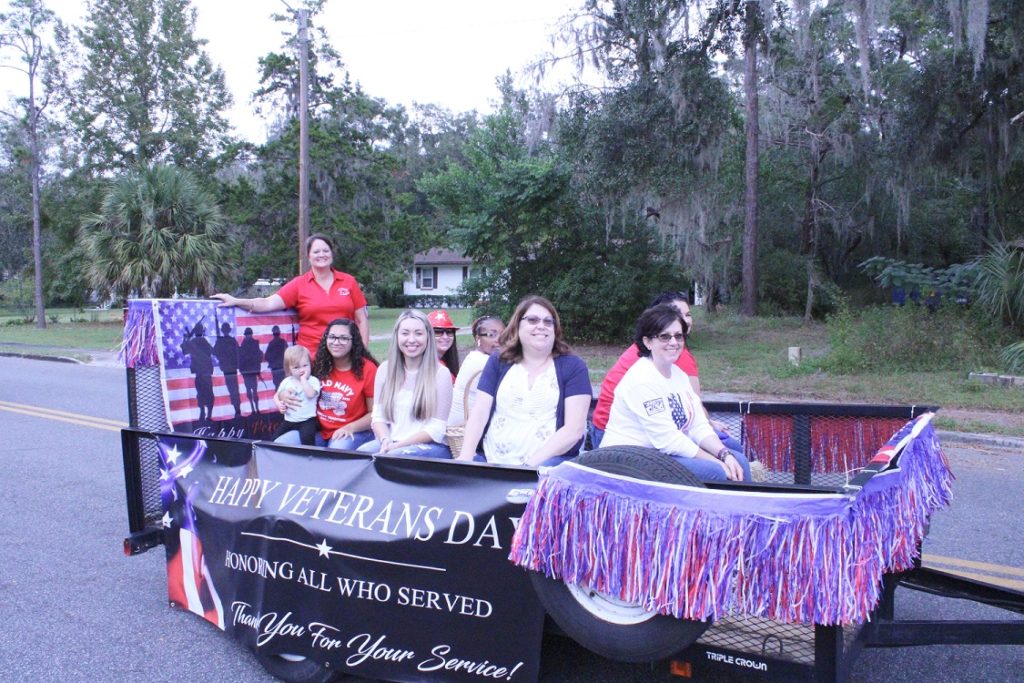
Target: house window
426, 277
465, 273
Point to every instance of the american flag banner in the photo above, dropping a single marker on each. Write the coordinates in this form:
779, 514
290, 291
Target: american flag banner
220, 366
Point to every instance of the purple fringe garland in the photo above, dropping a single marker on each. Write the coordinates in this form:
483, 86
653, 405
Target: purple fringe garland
138, 346
700, 554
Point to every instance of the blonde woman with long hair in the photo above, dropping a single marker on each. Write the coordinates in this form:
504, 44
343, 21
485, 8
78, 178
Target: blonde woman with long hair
412, 394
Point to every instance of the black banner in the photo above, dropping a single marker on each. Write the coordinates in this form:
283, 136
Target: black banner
393, 568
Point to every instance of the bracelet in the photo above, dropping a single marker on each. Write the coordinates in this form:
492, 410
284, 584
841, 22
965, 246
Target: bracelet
722, 453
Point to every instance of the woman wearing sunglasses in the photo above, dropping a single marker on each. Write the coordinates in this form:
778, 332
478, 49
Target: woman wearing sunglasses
533, 396
486, 330
444, 340
655, 405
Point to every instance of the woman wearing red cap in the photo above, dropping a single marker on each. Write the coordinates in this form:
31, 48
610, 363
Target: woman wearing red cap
444, 340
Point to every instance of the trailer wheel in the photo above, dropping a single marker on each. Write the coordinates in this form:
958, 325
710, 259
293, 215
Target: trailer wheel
601, 623
294, 668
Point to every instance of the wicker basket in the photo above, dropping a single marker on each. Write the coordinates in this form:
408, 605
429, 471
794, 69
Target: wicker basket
456, 435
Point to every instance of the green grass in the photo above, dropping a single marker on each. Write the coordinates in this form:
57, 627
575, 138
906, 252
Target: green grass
12, 316
74, 332
67, 335
382, 320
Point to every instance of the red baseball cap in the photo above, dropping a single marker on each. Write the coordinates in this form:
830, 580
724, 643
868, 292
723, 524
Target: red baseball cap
441, 320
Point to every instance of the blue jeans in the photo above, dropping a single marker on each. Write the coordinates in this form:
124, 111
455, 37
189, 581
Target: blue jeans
350, 444
291, 438
729, 441
550, 462
421, 450
596, 435
707, 470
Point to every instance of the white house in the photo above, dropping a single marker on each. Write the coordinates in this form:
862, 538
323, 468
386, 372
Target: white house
437, 271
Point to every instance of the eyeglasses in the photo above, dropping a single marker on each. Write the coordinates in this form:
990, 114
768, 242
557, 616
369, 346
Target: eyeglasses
444, 332
665, 337
488, 335
338, 339
546, 321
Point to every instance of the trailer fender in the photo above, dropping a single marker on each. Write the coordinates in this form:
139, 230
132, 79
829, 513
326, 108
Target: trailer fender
601, 623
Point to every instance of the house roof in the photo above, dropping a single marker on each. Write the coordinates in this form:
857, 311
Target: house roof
438, 256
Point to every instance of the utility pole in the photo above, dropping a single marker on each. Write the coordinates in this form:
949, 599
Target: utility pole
303, 16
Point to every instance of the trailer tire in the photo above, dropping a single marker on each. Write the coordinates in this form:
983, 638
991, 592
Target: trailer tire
605, 625
293, 669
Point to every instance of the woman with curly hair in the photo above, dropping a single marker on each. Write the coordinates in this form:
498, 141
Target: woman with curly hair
346, 371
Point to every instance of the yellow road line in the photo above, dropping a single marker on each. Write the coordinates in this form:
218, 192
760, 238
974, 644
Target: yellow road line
63, 413
928, 558
73, 418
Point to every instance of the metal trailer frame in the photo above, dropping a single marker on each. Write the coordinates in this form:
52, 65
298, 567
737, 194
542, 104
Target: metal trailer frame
761, 653
835, 648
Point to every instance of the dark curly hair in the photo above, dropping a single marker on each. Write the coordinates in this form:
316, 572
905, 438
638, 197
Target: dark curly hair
324, 362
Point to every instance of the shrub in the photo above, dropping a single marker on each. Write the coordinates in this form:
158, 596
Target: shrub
783, 282
909, 338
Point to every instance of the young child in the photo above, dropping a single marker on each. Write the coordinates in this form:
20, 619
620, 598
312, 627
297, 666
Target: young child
300, 385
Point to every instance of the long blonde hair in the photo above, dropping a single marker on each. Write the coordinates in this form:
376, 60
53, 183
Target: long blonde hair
424, 401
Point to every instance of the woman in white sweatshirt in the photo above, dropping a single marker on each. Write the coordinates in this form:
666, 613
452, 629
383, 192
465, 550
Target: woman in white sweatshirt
655, 405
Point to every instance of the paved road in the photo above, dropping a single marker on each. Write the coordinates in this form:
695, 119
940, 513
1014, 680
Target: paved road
75, 609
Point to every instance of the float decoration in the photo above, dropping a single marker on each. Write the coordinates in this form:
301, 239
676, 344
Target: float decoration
699, 553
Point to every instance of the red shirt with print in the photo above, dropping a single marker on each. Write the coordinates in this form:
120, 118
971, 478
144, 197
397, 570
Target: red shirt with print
343, 398
317, 307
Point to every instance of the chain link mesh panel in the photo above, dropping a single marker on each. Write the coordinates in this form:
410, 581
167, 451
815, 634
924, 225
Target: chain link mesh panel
146, 410
811, 444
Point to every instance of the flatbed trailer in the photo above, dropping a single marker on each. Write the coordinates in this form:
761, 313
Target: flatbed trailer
802, 448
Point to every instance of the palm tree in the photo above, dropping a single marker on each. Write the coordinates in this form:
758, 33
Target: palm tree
999, 288
157, 232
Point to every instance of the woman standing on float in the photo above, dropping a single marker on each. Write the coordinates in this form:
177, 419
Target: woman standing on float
318, 296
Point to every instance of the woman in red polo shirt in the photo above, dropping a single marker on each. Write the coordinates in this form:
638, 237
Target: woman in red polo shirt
319, 296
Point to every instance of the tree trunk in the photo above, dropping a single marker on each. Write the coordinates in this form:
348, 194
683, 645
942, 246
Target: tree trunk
752, 162
809, 230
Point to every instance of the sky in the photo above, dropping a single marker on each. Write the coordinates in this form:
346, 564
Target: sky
446, 52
